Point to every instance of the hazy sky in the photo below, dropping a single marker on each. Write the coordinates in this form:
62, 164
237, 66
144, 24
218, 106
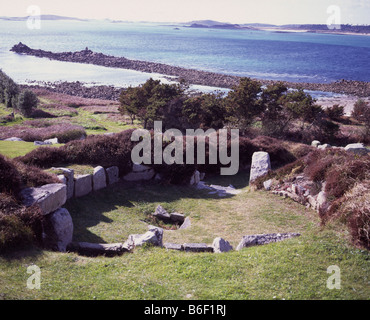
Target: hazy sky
234, 11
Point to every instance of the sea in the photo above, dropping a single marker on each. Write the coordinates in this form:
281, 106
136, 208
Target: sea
289, 56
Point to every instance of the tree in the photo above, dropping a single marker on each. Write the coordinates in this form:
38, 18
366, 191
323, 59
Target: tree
148, 101
27, 101
243, 103
9, 91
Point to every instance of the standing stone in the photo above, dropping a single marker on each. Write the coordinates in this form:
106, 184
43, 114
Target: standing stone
220, 245
195, 178
112, 174
99, 178
69, 175
49, 197
83, 185
58, 230
260, 165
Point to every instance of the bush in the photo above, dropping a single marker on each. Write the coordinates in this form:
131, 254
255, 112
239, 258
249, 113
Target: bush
18, 225
27, 101
14, 175
335, 112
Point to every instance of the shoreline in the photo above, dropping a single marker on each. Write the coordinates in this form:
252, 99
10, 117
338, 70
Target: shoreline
191, 76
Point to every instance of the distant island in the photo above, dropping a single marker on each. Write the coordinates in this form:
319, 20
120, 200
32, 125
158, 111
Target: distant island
315, 28
42, 17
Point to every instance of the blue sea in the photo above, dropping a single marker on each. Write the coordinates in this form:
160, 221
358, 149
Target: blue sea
297, 57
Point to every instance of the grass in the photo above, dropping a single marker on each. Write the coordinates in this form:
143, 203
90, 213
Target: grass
14, 149
293, 269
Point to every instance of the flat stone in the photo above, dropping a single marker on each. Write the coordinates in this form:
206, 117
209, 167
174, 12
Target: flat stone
41, 143
197, 247
140, 176
356, 148
260, 239
49, 197
173, 246
13, 139
96, 249
161, 214
83, 185
177, 217
140, 168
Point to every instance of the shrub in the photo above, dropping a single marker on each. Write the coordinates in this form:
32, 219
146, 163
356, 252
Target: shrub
18, 225
27, 101
335, 112
10, 181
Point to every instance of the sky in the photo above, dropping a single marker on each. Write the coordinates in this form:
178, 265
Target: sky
233, 11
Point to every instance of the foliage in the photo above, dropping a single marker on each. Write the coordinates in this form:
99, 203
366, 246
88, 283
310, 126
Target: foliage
148, 101
27, 101
9, 91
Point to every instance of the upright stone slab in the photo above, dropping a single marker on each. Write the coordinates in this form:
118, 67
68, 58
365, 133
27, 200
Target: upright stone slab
260, 165
99, 178
49, 197
112, 174
69, 175
83, 185
58, 230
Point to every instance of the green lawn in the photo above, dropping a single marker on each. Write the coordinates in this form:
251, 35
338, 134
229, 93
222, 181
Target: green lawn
292, 269
14, 149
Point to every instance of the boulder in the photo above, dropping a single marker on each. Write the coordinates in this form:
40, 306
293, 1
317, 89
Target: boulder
58, 230
173, 246
69, 175
51, 141
260, 239
83, 185
99, 180
195, 178
260, 165
112, 174
267, 184
49, 197
153, 237
356, 148
221, 245
186, 223
324, 146
315, 143
321, 201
